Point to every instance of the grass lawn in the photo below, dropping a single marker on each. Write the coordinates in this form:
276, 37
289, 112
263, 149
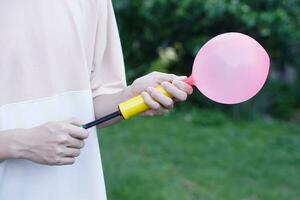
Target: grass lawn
201, 155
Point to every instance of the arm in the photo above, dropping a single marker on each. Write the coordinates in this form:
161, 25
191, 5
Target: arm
157, 102
8, 144
106, 104
108, 80
53, 143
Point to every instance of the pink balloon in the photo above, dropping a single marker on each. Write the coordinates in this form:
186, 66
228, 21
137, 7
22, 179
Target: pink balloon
230, 68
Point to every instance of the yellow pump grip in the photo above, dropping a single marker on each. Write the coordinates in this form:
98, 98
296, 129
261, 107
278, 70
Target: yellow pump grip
137, 105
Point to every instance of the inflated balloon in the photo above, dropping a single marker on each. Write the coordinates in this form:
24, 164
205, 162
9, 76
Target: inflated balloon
230, 68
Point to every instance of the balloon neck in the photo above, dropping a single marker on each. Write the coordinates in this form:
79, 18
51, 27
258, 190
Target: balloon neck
190, 81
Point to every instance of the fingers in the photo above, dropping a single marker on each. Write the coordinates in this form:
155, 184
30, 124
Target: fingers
175, 85
75, 121
183, 86
71, 152
178, 89
178, 94
156, 108
160, 98
76, 131
75, 143
178, 81
66, 161
181, 78
160, 77
150, 101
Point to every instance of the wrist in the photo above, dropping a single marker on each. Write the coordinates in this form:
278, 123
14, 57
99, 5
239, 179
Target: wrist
8, 145
17, 144
128, 93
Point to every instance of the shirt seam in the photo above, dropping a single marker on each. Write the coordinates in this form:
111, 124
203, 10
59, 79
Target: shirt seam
45, 98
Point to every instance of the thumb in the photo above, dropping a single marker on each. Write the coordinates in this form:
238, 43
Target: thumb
181, 78
161, 77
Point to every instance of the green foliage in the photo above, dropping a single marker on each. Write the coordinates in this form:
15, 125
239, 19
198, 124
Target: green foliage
195, 155
151, 28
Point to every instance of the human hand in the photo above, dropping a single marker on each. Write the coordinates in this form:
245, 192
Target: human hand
54, 143
157, 102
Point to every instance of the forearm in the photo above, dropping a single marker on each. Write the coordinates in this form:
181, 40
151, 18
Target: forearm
155, 100
8, 144
107, 104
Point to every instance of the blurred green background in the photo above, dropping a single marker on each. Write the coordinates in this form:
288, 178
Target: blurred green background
204, 150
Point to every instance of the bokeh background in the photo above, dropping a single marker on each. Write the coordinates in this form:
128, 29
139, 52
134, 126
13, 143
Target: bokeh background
203, 150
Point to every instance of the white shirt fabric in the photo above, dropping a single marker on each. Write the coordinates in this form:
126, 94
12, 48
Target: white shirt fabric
55, 57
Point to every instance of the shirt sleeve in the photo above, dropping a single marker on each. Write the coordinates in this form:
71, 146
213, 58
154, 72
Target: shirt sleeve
108, 71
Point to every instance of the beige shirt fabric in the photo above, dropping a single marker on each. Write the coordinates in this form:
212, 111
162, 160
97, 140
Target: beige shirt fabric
55, 57
49, 47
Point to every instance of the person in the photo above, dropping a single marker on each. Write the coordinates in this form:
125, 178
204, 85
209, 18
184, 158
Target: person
62, 66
